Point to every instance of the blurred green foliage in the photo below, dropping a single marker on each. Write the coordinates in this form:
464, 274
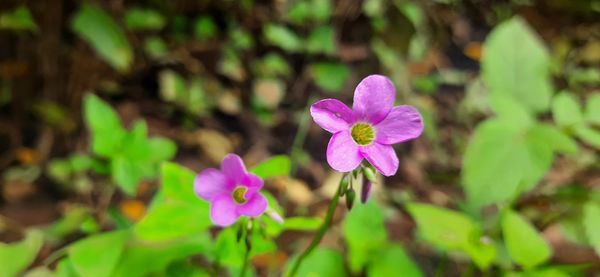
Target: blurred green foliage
104, 35
529, 95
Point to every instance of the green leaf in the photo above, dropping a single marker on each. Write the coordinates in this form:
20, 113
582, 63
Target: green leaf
302, 223
135, 143
80, 163
18, 19
155, 47
271, 65
566, 110
321, 41
512, 112
548, 134
204, 28
98, 255
318, 11
97, 28
60, 170
176, 204
299, 12
549, 272
177, 183
516, 63
591, 223
321, 10
104, 124
185, 219
186, 269
275, 166
524, 244
393, 261
230, 65
161, 149
229, 251
172, 86
241, 39
151, 258
592, 109
496, 147
444, 229
144, 19
365, 233
330, 76
16, 257
282, 37
65, 268
322, 262
126, 174
588, 135
450, 231
493, 148
67, 224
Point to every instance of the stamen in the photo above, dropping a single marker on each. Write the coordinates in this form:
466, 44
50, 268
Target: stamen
362, 133
239, 194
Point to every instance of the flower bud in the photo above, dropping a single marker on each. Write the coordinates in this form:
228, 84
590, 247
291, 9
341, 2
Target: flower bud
344, 184
350, 196
369, 173
239, 233
248, 242
365, 191
275, 216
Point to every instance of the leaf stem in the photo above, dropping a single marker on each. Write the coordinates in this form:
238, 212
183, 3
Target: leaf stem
320, 233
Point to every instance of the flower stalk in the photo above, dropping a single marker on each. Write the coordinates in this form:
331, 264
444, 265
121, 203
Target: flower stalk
322, 230
246, 231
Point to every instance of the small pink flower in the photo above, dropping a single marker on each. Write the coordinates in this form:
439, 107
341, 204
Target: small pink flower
368, 130
232, 191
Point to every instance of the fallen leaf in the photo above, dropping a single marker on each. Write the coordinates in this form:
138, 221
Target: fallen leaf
296, 191
268, 92
27, 156
214, 144
229, 103
473, 50
133, 209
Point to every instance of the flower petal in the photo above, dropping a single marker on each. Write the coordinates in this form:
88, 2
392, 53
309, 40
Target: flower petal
233, 167
211, 183
401, 124
332, 115
253, 183
256, 205
342, 152
223, 211
374, 98
382, 157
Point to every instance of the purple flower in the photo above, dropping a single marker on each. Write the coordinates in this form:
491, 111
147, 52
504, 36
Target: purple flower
232, 191
368, 130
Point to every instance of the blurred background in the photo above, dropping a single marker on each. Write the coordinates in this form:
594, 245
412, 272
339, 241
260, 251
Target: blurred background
190, 81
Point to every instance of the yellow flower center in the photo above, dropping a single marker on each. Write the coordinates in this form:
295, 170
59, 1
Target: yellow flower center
362, 133
239, 194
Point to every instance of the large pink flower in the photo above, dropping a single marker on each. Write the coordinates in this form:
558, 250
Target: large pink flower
368, 130
232, 191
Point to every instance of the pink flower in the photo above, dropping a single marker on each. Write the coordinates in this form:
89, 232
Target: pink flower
232, 191
368, 130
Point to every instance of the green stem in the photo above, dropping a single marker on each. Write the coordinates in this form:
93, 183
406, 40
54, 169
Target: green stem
246, 242
322, 230
245, 264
